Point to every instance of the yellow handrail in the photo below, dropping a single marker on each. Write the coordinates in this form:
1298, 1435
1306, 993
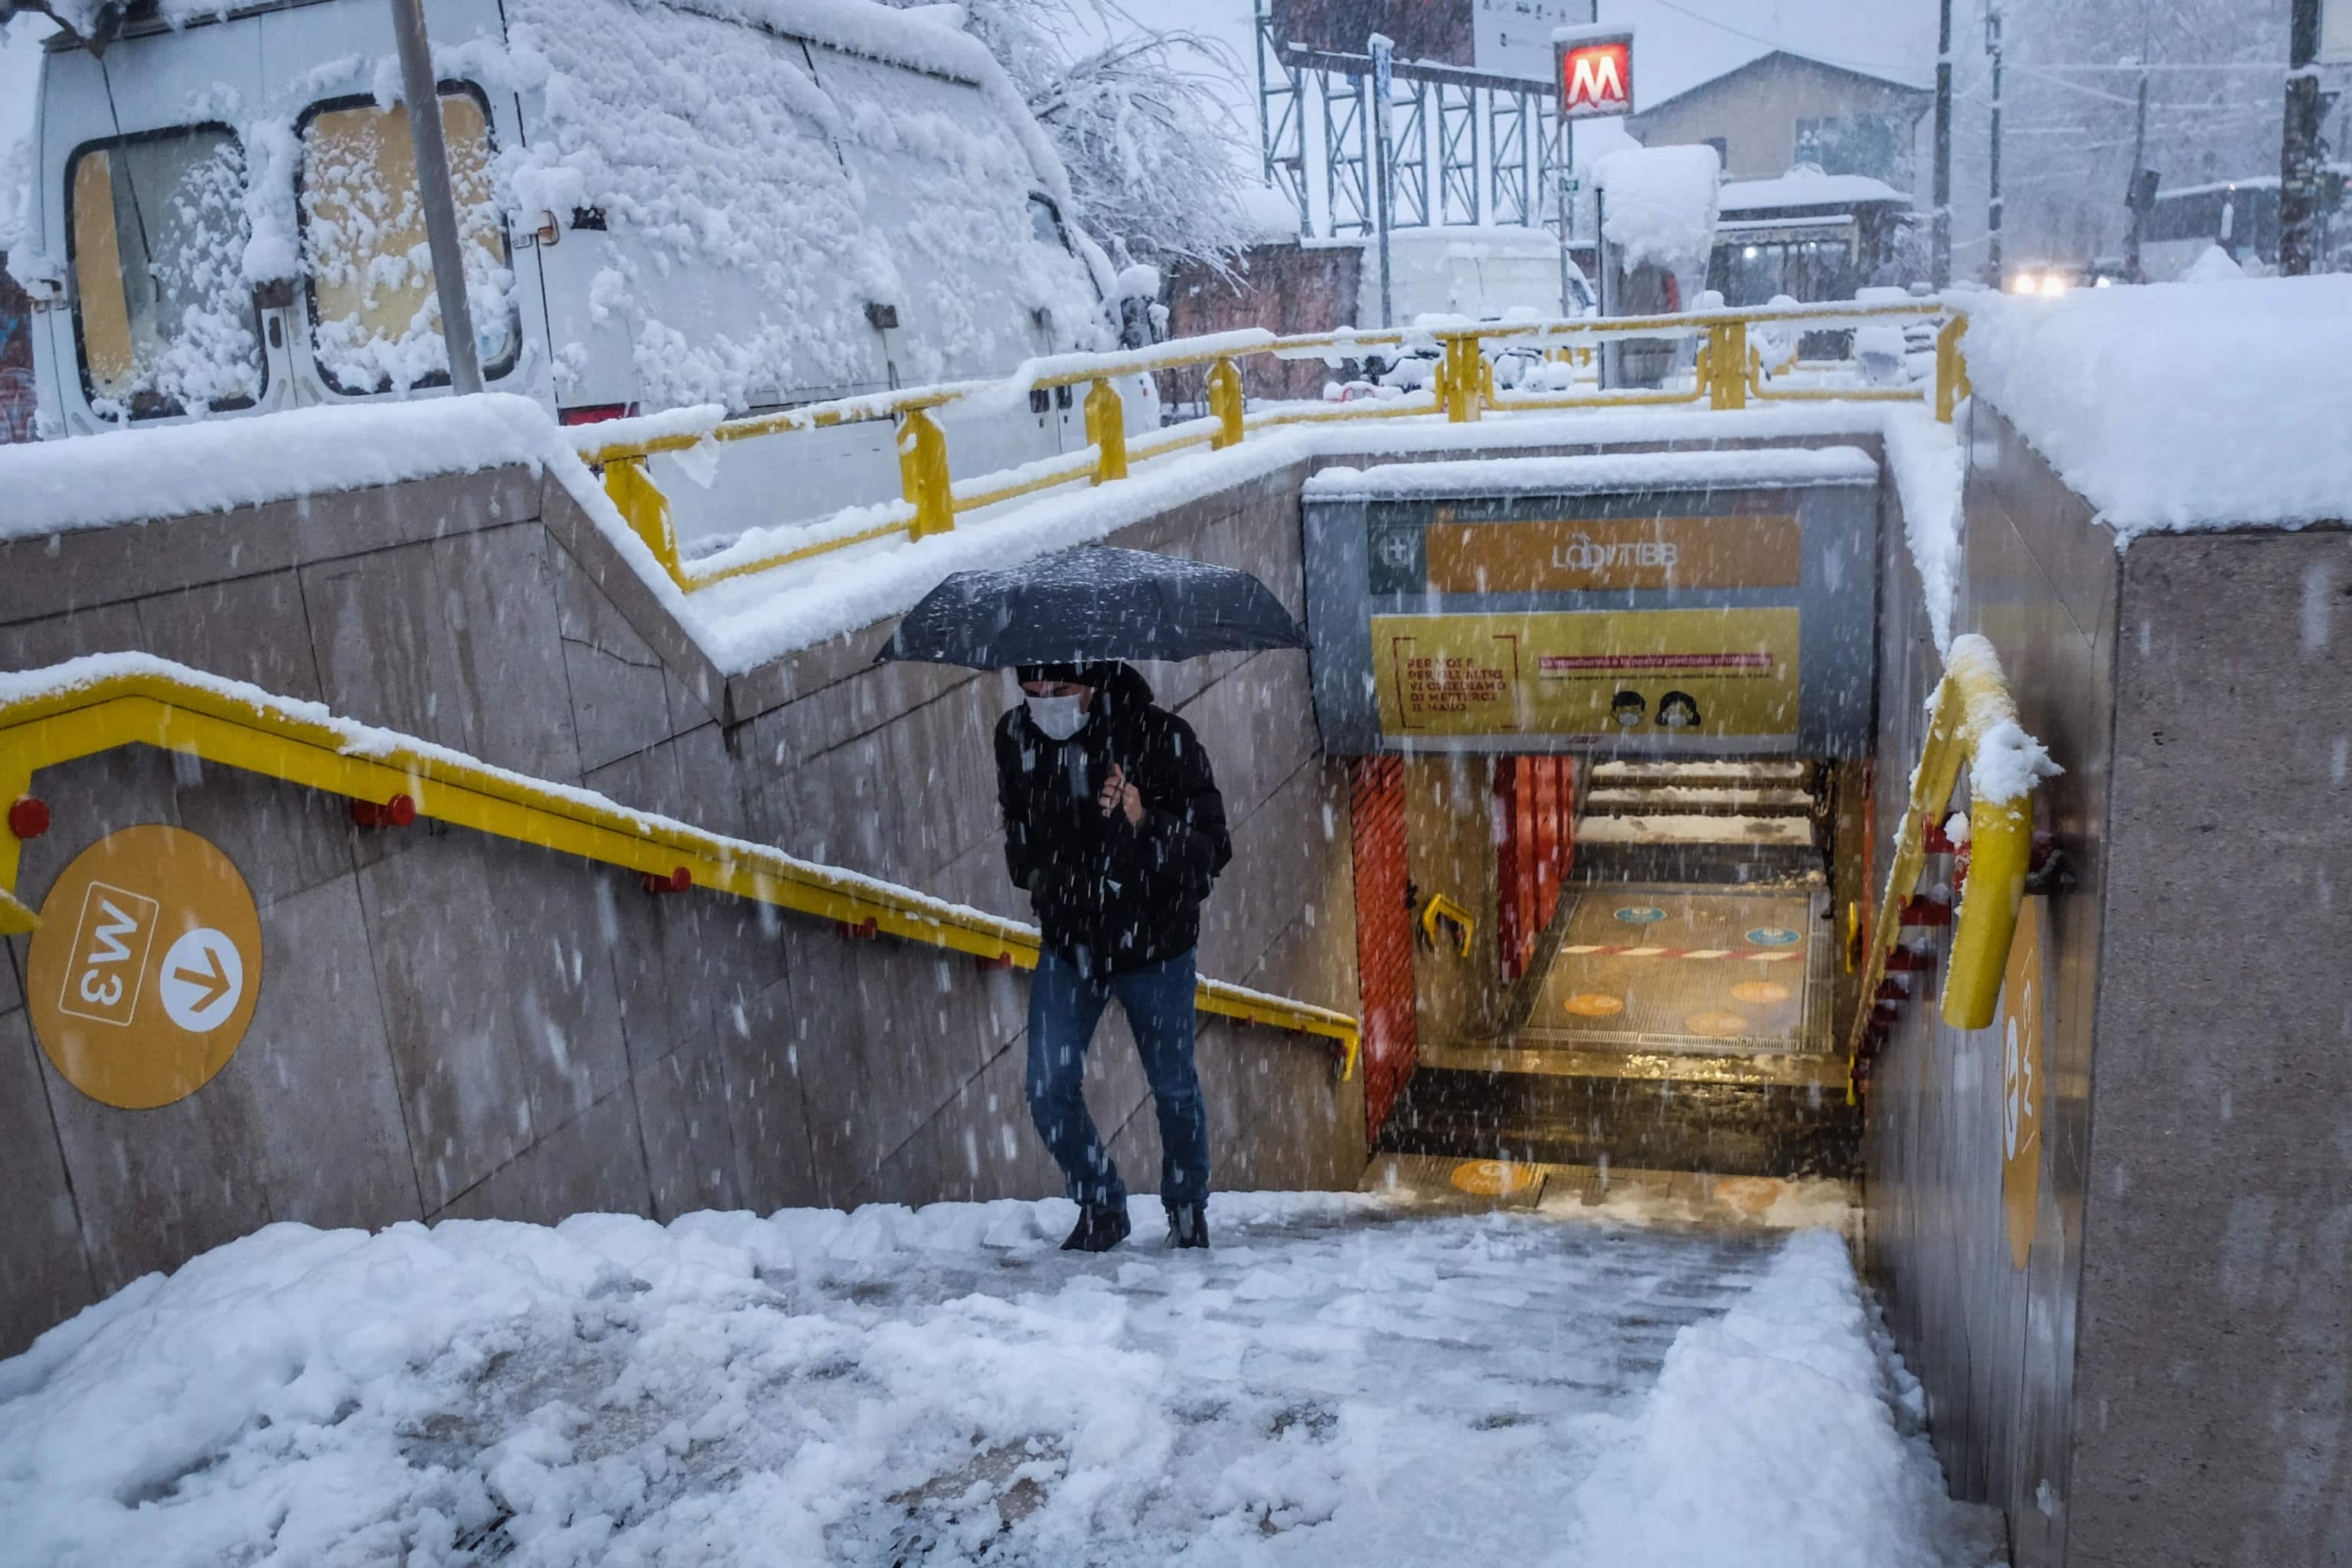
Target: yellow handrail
170, 705
1972, 702
1729, 378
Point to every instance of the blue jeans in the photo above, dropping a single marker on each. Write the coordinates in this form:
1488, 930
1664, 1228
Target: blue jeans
1065, 1004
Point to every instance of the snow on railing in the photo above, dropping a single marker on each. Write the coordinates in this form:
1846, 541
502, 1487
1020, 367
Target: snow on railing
1732, 373
101, 702
1972, 720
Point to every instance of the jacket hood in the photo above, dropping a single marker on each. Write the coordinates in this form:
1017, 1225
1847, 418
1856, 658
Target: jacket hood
1126, 695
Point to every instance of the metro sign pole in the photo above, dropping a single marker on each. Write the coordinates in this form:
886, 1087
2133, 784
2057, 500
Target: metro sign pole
1592, 72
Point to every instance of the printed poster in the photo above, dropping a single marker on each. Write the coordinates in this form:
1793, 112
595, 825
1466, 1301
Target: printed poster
1596, 676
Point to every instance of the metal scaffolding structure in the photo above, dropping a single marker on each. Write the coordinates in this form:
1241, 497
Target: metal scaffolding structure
1347, 153
1458, 182
1466, 147
1408, 173
1509, 118
1281, 121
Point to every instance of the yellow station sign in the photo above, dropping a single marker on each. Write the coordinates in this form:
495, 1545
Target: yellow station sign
1578, 556
1590, 675
146, 969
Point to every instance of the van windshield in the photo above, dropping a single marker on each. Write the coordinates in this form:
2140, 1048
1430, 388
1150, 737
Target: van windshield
376, 322
164, 317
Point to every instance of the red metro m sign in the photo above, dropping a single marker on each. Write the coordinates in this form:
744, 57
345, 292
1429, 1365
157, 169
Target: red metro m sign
1596, 73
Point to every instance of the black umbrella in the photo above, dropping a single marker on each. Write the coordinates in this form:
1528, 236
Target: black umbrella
1090, 604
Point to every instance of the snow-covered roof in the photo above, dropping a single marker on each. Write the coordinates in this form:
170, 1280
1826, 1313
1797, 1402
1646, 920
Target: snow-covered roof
2179, 406
1884, 78
1806, 188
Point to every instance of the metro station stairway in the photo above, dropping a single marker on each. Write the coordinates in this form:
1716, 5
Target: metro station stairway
1676, 1013
1703, 822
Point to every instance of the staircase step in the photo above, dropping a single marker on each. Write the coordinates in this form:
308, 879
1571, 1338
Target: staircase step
1704, 1122
1705, 800
1755, 772
1744, 830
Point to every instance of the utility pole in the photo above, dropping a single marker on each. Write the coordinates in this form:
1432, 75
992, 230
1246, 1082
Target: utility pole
1992, 206
2135, 197
1942, 259
2299, 147
1383, 51
418, 86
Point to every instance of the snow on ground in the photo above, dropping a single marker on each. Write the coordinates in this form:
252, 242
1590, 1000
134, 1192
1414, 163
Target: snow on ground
1343, 1379
2179, 406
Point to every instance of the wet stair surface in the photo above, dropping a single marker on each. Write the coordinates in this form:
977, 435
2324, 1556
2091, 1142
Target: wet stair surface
1676, 1014
1702, 822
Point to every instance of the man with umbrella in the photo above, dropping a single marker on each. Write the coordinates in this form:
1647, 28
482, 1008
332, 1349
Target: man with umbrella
1113, 826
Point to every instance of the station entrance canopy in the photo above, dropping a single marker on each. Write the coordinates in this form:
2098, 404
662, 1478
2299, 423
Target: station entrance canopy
1672, 603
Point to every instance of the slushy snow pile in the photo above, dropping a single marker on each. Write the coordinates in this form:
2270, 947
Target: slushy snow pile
1342, 1380
1659, 203
2179, 406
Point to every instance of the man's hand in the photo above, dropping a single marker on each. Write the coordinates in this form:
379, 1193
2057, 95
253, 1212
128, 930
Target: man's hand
1117, 794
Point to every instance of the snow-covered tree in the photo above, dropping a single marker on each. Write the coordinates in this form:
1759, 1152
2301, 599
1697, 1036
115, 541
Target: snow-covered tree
1153, 156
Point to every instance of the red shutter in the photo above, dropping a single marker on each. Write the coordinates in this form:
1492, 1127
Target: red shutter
1383, 932
1535, 807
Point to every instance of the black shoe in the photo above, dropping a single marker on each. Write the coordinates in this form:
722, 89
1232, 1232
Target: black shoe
1188, 1225
1100, 1228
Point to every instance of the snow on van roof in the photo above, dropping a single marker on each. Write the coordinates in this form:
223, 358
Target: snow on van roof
2179, 406
767, 171
814, 184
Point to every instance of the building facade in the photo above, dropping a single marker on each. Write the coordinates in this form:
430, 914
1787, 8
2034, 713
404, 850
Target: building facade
1783, 110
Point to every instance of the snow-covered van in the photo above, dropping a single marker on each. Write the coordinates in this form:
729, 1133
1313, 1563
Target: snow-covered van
667, 202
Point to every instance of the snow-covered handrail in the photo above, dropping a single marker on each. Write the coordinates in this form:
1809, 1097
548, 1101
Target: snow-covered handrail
103, 701
1971, 719
1731, 376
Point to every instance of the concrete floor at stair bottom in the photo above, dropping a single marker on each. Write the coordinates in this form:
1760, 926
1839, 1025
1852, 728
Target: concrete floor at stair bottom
1744, 1204
1681, 969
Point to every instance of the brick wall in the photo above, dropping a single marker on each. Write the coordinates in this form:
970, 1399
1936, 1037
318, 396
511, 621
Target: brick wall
1286, 288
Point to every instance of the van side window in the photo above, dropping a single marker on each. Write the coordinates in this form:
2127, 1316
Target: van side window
163, 314
1045, 223
376, 323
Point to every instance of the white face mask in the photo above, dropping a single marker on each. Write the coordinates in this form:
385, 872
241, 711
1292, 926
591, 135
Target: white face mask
1060, 717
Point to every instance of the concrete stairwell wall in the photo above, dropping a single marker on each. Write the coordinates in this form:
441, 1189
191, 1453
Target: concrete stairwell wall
453, 1026
2163, 1379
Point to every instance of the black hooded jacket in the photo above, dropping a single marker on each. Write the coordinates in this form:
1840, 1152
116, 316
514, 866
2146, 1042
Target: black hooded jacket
1111, 895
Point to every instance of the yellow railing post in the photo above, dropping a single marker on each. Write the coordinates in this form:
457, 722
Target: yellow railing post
1106, 429
1951, 370
1463, 379
1226, 404
1726, 364
645, 509
923, 474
